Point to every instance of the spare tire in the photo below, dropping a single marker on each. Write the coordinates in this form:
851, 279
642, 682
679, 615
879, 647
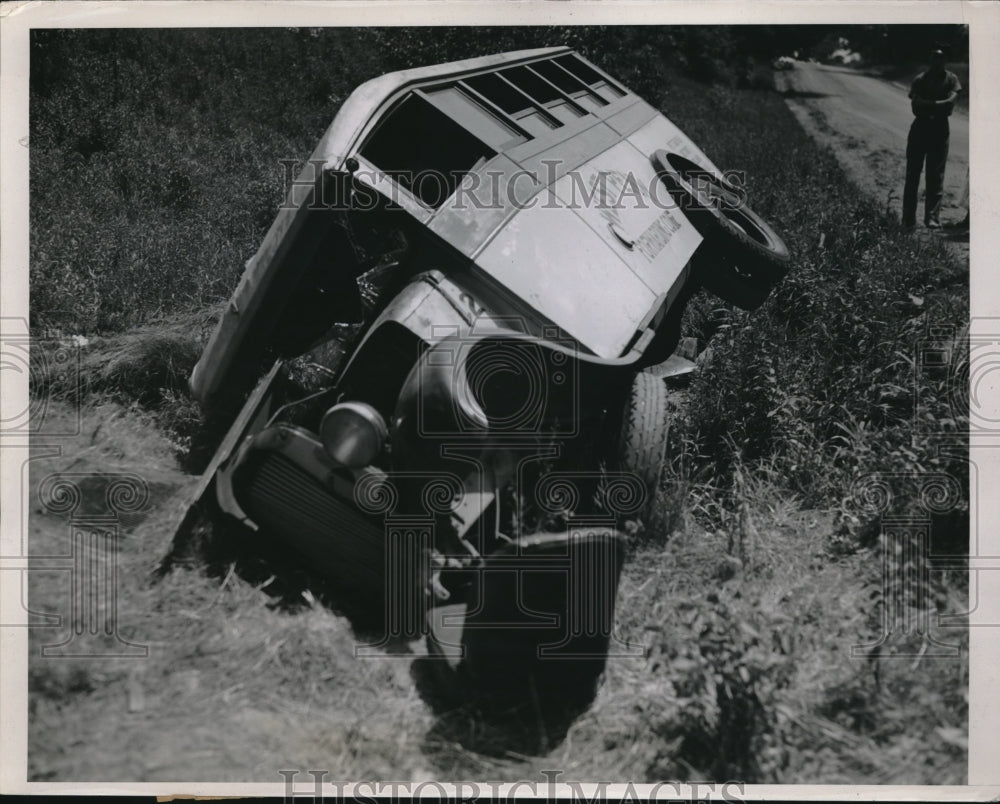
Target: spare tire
716, 208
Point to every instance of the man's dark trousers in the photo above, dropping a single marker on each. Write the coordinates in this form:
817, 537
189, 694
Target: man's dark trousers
927, 143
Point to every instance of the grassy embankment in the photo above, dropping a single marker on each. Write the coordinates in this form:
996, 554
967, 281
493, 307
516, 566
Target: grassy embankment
150, 188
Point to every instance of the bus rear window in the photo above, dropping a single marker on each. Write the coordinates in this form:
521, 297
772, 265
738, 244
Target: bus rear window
572, 85
514, 101
590, 76
424, 150
488, 127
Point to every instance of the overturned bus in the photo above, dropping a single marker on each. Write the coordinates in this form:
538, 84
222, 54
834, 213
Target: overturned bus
467, 304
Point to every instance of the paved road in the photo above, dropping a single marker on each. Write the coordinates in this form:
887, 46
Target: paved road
867, 119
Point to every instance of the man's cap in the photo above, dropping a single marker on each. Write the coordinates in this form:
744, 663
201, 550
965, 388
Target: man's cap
937, 51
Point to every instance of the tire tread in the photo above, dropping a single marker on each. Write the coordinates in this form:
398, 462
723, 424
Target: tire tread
645, 427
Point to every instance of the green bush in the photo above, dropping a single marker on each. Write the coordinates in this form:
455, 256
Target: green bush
821, 385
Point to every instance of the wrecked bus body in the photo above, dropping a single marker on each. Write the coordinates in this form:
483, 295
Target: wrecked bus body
464, 293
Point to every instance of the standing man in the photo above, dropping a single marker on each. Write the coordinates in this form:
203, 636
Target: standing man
932, 98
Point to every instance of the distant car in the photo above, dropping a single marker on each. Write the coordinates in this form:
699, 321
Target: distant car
844, 56
474, 273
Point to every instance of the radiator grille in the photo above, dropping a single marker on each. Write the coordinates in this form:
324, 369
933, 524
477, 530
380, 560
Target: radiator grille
337, 540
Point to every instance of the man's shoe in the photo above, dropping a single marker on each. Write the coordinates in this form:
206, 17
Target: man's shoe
932, 225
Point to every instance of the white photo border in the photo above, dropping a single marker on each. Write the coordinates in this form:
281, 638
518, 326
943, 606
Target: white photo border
983, 18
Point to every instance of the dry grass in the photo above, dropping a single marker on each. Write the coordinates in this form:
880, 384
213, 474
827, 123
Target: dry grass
234, 687
746, 671
141, 365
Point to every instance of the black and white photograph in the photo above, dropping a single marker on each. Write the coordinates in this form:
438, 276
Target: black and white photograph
565, 402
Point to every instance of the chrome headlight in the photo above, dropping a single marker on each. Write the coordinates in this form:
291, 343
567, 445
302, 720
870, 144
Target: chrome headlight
353, 434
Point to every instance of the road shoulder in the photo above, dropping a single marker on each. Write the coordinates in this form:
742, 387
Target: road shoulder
877, 172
